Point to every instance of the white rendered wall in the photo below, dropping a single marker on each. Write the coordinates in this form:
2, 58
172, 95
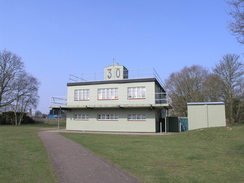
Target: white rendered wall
216, 115
204, 116
122, 94
121, 125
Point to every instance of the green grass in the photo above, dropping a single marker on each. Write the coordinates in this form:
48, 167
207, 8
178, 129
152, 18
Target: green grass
50, 123
23, 157
209, 155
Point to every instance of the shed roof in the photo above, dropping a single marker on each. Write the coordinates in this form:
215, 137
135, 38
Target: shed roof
205, 103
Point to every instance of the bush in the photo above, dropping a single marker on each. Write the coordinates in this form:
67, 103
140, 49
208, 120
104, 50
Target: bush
7, 118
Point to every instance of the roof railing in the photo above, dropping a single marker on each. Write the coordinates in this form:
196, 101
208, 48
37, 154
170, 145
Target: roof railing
132, 74
58, 100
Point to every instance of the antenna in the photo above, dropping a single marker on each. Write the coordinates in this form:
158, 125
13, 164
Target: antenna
114, 61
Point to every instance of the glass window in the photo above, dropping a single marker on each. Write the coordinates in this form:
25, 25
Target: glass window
107, 116
136, 92
107, 93
81, 94
135, 117
81, 117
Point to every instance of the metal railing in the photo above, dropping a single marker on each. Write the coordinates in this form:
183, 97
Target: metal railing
57, 100
156, 75
132, 74
161, 98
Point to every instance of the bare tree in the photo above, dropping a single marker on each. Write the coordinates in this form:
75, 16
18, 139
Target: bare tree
186, 86
237, 26
11, 67
231, 72
214, 88
238, 103
26, 96
38, 114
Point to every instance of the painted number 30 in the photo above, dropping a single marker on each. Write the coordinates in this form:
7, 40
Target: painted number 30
109, 74
117, 73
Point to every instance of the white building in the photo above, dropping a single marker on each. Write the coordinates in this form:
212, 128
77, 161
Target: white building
205, 115
116, 103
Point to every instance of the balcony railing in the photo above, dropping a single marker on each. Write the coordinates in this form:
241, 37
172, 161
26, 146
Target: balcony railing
58, 101
161, 98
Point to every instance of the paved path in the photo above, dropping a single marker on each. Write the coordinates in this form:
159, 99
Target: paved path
75, 164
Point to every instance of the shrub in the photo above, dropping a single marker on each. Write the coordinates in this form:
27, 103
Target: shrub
8, 118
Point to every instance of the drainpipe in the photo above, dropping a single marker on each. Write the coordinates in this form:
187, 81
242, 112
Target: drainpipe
165, 123
207, 116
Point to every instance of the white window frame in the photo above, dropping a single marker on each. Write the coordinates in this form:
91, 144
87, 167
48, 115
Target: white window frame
107, 117
81, 117
107, 94
136, 117
81, 94
136, 92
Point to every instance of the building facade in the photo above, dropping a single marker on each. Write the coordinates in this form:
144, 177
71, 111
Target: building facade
116, 103
205, 115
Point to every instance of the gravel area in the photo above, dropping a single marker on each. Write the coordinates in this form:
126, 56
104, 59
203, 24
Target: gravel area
73, 163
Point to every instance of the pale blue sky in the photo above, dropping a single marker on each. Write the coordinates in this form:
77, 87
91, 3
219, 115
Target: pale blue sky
58, 37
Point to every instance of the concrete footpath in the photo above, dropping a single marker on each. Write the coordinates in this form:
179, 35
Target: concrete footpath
73, 163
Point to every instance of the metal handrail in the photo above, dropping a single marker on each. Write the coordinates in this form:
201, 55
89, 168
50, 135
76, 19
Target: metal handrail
57, 100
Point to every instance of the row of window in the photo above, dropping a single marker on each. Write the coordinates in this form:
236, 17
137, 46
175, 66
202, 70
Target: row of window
110, 117
110, 93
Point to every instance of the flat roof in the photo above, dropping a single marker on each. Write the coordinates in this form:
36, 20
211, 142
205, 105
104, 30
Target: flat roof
205, 103
114, 82
112, 106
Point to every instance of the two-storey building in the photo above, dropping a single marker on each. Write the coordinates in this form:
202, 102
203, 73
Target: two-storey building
116, 103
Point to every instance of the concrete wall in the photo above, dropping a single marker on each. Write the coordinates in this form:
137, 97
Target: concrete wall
122, 93
122, 124
204, 116
216, 115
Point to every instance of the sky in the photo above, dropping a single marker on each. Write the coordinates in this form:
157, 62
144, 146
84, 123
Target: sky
56, 38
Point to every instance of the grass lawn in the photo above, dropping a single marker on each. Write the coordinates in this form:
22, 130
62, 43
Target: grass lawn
209, 155
23, 157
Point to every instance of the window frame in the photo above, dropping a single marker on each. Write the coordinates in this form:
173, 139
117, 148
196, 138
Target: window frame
80, 117
107, 94
85, 94
136, 117
138, 92
107, 117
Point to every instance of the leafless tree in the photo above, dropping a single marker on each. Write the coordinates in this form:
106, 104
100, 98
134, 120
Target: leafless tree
186, 86
38, 114
11, 67
237, 13
18, 90
231, 72
238, 103
26, 96
214, 88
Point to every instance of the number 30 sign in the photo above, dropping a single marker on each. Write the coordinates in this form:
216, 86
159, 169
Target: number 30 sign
113, 73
